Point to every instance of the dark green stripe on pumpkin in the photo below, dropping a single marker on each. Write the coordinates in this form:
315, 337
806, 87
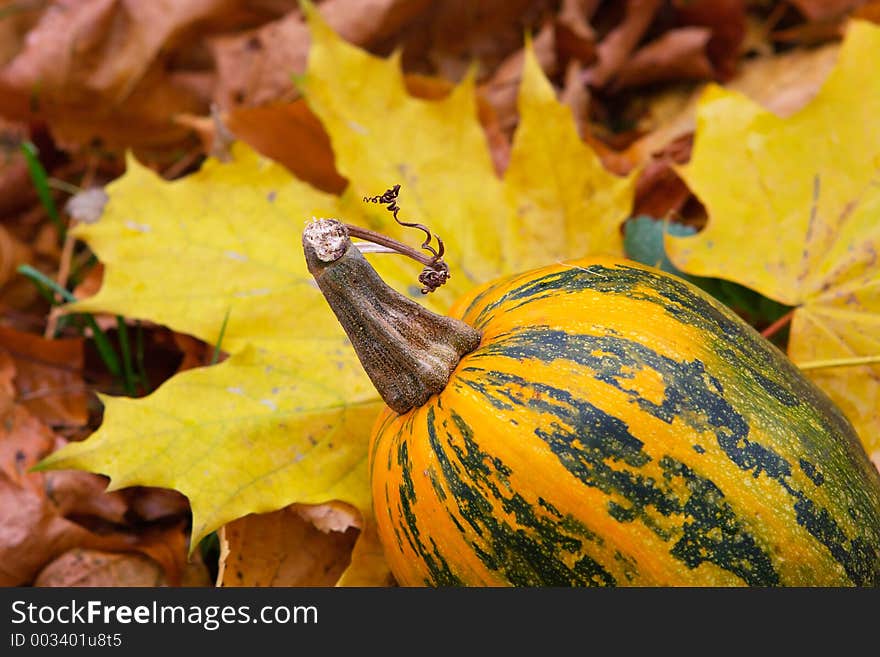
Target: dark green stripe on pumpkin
441, 573
695, 396
691, 393
531, 551
734, 341
586, 440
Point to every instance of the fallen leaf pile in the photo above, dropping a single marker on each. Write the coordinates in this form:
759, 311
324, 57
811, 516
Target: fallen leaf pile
52, 518
201, 136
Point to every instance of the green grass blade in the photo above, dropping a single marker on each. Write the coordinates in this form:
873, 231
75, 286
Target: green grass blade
216, 355
40, 277
41, 183
102, 343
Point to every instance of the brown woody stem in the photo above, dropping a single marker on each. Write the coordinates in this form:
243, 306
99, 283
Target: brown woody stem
436, 271
407, 351
391, 243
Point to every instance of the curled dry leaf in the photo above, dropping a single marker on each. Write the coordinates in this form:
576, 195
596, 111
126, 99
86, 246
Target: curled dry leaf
701, 40
330, 517
75, 493
455, 36
150, 504
283, 548
576, 95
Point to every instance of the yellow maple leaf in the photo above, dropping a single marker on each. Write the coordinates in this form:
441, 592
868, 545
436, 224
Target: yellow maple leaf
286, 418
794, 213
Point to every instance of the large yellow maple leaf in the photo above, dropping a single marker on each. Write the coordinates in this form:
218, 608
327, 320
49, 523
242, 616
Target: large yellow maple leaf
286, 418
804, 193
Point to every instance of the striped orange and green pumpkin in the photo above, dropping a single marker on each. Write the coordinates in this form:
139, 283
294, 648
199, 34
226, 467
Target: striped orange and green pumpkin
618, 426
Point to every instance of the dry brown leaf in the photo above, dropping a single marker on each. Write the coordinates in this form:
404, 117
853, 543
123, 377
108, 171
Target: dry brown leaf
574, 35
331, 516
77, 493
869, 11
13, 253
150, 504
727, 21
20, 17
617, 45
782, 84
678, 54
292, 135
167, 546
501, 90
256, 67
195, 352
33, 532
659, 190
576, 95
820, 10
91, 568
46, 514
84, 567
91, 283
48, 376
284, 549
99, 68
454, 35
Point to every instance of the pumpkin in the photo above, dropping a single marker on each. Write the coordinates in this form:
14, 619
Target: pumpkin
610, 424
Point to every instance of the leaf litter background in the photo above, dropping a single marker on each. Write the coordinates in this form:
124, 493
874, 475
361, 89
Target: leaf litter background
240, 121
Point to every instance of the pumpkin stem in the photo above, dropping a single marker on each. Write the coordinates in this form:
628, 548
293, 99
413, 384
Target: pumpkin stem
436, 271
407, 351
